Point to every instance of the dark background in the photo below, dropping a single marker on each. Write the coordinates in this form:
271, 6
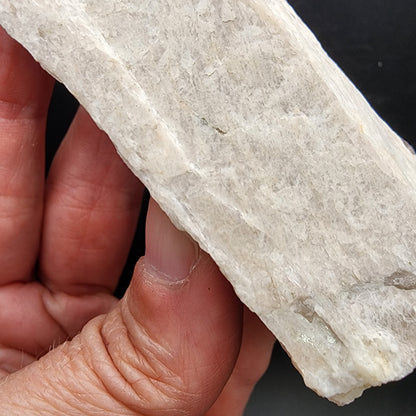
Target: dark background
374, 42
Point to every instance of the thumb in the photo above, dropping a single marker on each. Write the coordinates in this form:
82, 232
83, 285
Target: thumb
167, 348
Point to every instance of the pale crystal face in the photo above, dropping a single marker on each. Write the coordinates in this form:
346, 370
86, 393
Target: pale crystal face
255, 143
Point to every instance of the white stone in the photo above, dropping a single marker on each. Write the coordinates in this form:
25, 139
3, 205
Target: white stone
255, 143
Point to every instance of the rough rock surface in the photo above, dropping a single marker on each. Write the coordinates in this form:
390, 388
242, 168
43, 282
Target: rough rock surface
255, 143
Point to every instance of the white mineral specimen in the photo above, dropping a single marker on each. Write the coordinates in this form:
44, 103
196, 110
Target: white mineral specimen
255, 143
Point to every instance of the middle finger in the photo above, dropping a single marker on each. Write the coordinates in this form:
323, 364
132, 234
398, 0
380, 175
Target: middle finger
91, 209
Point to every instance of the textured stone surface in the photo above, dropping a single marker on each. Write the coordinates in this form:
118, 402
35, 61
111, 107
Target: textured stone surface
256, 144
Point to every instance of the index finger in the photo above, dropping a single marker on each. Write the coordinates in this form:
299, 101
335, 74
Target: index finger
24, 97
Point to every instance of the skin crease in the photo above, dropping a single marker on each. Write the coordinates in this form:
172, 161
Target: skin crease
178, 343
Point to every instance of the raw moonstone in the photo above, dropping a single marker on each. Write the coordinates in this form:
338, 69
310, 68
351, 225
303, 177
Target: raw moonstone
255, 143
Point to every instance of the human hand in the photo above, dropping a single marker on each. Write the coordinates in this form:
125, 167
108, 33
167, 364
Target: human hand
67, 346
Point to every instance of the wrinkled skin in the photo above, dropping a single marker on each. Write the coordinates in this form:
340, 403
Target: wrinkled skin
178, 343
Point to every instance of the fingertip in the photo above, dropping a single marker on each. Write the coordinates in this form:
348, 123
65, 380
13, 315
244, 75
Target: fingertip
203, 307
170, 251
197, 320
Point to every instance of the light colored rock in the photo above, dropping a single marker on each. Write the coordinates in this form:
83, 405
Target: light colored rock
255, 143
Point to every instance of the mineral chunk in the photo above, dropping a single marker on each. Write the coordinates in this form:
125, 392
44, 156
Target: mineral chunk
255, 143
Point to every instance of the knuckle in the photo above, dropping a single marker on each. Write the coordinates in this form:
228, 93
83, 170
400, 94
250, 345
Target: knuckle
137, 376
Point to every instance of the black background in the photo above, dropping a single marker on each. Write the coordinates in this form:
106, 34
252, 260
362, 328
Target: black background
374, 42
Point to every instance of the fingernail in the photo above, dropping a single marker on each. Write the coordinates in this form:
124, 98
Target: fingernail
170, 252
